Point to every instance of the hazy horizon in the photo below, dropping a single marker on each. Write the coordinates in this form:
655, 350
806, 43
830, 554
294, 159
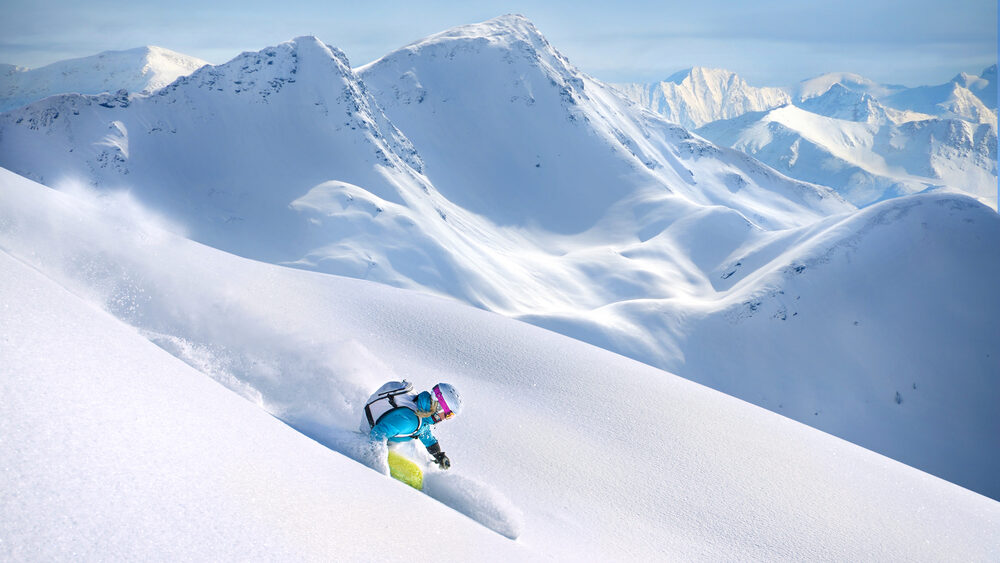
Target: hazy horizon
771, 43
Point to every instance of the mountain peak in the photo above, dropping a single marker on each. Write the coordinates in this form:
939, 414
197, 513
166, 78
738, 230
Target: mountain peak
505, 24
701, 73
983, 86
511, 20
821, 84
511, 37
841, 102
141, 69
268, 70
507, 28
696, 96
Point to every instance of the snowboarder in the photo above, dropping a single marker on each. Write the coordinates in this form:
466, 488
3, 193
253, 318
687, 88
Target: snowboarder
394, 415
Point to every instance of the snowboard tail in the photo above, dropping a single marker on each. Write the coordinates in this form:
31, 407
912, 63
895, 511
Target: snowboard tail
405, 470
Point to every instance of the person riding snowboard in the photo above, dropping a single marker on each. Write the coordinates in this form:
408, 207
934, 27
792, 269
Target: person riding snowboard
394, 415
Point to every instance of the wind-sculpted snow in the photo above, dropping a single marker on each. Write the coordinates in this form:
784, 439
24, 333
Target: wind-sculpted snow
114, 448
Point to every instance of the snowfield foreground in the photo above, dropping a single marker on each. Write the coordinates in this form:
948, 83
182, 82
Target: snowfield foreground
115, 448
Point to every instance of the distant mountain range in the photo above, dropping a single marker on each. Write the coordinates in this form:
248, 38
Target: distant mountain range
699, 96
136, 70
866, 140
480, 164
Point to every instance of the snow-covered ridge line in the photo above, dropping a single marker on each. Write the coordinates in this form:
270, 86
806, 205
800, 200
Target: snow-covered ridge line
144, 69
867, 151
698, 96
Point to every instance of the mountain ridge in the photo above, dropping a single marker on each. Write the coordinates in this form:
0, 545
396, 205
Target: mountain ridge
143, 69
699, 95
863, 166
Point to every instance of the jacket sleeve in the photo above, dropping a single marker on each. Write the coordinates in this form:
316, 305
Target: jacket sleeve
426, 436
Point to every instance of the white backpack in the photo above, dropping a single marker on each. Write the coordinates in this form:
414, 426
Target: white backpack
392, 395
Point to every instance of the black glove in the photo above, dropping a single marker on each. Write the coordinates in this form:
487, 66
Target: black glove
439, 457
442, 460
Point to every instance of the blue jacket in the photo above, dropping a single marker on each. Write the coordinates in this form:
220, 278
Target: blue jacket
400, 423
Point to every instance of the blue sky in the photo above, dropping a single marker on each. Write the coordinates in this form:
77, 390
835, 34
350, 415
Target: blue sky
768, 42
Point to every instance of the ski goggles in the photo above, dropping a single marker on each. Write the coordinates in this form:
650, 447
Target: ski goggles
441, 415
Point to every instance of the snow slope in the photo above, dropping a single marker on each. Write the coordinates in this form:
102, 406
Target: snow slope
116, 449
878, 327
698, 96
136, 70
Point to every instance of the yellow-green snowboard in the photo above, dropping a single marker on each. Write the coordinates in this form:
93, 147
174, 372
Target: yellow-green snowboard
406, 471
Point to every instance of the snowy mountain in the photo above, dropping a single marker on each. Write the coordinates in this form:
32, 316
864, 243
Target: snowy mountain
859, 148
224, 151
819, 85
983, 86
871, 142
697, 96
841, 102
136, 70
912, 140
563, 147
118, 445
360, 201
964, 97
480, 164
972, 98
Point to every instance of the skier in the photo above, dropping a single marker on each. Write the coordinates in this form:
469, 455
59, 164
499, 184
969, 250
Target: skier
395, 415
